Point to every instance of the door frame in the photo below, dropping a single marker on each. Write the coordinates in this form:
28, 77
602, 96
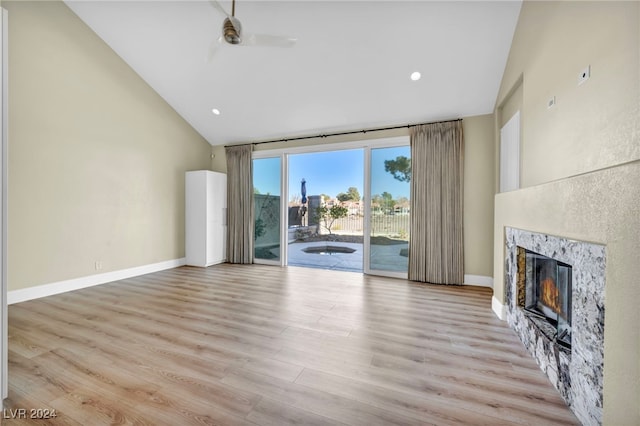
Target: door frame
366, 145
284, 217
367, 213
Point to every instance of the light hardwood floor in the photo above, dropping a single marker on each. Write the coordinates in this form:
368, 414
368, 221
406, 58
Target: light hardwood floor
265, 345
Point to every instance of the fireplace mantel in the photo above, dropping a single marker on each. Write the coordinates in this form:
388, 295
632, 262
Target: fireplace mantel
577, 374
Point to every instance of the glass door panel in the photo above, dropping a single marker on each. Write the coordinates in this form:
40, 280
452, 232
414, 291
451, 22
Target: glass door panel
267, 218
389, 207
325, 215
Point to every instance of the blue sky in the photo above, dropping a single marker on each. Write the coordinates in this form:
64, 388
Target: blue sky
327, 172
331, 172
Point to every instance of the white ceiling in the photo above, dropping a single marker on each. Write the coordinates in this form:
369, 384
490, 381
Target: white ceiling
349, 69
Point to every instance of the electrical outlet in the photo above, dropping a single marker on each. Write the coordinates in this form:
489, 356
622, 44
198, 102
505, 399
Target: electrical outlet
551, 102
98, 265
584, 75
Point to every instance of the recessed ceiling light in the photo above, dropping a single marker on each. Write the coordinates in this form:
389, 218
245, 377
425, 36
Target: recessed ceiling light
215, 111
415, 76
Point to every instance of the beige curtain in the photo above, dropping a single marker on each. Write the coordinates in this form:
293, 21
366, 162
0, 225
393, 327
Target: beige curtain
436, 251
239, 204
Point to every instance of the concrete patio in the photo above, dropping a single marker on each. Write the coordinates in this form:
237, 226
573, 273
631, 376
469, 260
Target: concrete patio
385, 257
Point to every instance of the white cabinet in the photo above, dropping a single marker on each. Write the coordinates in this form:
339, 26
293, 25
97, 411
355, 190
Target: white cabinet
206, 218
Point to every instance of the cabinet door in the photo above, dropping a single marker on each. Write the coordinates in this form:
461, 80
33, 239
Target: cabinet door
216, 217
222, 209
195, 215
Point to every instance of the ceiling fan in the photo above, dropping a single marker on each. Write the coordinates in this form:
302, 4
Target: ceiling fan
232, 31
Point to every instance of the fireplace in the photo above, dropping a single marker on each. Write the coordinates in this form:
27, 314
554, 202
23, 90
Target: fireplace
547, 293
555, 294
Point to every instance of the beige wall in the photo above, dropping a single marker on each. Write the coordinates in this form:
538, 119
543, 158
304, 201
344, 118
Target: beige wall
601, 207
588, 128
479, 177
478, 183
581, 160
218, 159
96, 157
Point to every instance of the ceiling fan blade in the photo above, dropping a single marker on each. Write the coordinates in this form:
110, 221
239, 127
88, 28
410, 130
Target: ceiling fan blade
218, 7
213, 49
267, 40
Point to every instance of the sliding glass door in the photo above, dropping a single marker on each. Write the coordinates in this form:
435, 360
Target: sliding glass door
387, 242
267, 190
325, 217
343, 206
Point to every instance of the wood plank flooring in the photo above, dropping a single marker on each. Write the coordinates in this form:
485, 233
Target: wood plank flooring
262, 345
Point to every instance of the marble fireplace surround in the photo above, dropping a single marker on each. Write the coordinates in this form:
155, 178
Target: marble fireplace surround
576, 373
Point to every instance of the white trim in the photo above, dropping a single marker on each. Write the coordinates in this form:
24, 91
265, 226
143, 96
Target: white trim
498, 308
284, 209
22, 295
478, 280
366, 145
366, 246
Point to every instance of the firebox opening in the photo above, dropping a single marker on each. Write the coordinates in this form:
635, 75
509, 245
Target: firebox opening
548, 293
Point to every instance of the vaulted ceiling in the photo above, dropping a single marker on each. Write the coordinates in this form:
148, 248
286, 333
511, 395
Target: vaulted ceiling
349, 69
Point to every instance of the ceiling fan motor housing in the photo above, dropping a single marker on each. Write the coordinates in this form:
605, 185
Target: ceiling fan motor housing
231, 29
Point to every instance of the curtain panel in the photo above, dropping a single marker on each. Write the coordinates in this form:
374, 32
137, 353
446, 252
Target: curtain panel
436, 248
239, 204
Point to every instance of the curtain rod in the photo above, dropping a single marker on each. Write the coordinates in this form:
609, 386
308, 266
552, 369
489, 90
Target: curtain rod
352, 132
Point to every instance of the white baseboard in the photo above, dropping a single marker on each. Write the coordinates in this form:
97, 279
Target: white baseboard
499, 309
478, 280
22, 295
